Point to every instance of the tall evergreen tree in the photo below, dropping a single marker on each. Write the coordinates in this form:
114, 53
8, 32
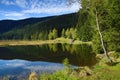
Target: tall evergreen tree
103, 16
63, 33
55, 33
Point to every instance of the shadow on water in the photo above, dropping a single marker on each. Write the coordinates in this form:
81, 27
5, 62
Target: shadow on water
80, 55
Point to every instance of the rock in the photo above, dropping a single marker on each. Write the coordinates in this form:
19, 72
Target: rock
33, 76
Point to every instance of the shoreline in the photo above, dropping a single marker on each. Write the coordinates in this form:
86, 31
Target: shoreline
39, 42
25, 42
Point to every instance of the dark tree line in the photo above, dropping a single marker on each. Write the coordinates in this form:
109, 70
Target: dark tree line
42, 30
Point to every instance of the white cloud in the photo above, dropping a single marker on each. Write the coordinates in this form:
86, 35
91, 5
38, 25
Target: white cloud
29, 7
14, 14
37, 6
15, 64
7, 2
49, 8
34, 4
21, 3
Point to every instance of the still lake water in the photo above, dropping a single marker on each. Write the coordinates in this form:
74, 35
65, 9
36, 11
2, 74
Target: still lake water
16, 62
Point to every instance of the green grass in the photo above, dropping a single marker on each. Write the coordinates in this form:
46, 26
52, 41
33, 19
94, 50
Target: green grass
80, 42
101, 71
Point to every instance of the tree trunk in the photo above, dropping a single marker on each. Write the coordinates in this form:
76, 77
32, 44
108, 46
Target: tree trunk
101, 39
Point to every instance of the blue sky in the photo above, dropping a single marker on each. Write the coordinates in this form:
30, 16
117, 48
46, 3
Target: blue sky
20, 9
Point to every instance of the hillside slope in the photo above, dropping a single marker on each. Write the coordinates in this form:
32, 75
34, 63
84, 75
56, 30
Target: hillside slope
6, 25
42, 28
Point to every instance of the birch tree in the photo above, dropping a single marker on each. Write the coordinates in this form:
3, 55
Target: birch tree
96, 10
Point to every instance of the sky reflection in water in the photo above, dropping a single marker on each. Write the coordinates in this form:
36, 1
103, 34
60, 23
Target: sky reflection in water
23, 68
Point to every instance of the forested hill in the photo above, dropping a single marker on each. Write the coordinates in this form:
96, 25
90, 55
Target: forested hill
6, 25
42, 29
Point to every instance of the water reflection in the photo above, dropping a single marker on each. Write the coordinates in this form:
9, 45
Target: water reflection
20, 69
80, 55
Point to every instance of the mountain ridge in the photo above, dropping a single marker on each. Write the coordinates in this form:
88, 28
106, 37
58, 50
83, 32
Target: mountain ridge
11, 24
43, 27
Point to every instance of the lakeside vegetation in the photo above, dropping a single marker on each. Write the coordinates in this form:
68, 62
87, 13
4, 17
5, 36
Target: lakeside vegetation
97, 24
101, 71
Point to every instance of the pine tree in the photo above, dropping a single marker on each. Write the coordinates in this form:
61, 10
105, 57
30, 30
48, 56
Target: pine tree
55, 33
63, 33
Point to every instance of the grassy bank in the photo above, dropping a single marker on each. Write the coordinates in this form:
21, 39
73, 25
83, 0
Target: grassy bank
39, 42
101, 71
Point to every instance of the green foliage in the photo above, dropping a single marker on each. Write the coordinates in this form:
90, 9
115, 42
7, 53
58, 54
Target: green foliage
101, 71
66, 63
115, 55
34, 36
40, 30
50, 35
41, 36
74, 34
111, 40
85, 33
63, 33
111, 37
53, 47
53, 34
84, 27
97, 47
69, 33
108, 20
59, 75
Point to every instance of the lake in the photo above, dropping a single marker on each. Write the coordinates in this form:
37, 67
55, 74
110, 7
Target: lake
16, 62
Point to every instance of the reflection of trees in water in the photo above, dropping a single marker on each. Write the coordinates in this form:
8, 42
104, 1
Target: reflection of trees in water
67, 47
53, 47
81, 54
77, 54
84, 55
